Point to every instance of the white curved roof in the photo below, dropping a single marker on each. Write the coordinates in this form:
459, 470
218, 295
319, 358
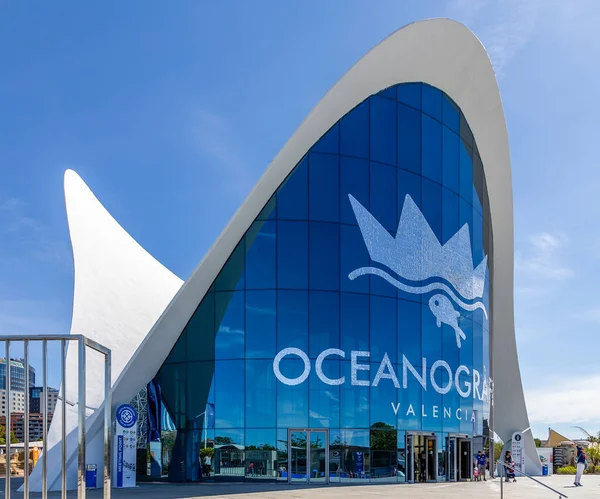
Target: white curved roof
448, 56
120, 290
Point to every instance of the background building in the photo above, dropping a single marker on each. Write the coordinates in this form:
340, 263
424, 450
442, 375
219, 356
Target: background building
36, 428
17, 401
17, 373
36, 399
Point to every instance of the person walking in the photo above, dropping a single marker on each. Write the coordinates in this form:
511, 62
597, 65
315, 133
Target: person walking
481, 461
580, 460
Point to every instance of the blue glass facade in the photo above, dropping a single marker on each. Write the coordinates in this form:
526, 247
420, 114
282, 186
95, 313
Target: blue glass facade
357, 302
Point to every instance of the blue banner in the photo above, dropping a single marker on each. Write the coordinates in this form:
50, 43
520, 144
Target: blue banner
120, 461
210, 415
154, 412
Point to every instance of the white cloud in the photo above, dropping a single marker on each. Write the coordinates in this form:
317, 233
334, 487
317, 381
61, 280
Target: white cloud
212, 137
541, 260
574, 400
503, 27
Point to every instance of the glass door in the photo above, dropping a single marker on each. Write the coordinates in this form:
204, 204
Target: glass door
410, 459
451, 459
431, 459
308, 456
319, 456
297, 456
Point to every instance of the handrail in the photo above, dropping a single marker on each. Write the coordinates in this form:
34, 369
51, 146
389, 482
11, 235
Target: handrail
522, 473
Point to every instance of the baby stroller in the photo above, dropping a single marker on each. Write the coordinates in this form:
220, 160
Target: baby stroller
510, 472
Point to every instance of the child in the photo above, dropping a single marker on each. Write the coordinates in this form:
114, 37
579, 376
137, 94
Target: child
476, 473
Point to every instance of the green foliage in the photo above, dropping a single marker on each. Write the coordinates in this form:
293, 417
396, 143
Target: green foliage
566, 470
13, 439
207, 451
593, 453
224, 441
538, 442
498, 446
383, 437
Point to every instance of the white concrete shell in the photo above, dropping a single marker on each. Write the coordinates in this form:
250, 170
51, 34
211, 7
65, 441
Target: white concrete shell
448, 56
120, 291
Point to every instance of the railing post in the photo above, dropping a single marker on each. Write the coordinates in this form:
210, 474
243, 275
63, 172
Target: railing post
26, 422
107, 424
63, 352
8, 418
81, 426
501, 481
45, 420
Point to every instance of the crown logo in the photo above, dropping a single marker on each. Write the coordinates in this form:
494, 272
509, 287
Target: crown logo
416, 255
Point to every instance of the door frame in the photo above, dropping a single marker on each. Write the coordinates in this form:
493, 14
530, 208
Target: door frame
410, 478
308, 432
457, 437
460, 440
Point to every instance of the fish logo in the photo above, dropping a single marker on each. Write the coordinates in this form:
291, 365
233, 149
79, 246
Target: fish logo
423, 265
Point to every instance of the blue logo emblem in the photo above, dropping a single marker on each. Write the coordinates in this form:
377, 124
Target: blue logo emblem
126, 416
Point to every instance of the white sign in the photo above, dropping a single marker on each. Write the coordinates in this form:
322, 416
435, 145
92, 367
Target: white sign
518, 450
125, 448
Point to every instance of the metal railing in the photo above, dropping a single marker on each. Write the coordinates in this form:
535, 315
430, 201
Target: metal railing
82, 343
504, 465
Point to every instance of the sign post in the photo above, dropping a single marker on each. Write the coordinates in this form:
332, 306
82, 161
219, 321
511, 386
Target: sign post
125, 446
518, 451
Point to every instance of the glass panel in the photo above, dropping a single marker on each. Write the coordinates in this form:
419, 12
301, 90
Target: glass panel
261, 452
229, 394
229, 453
353, 256
260, 324
401, 460
292, 319
292, 196
432, 149
330, 142
282, 455
324, 182
390, 93
451, 149
297, 456
232, 275
318, 453
451, 460
466, 173
260, 255
354, 132
383, 196
432, 102
229, 343
432, 459
292, 255
336, 455
410, 459
450, 114
260, 394
409, 139
355, 463
384, 444
354, 180
324, 255
383, 130
410, 93
324, 322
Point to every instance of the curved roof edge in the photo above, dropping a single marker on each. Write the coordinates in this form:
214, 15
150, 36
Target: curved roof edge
446, 55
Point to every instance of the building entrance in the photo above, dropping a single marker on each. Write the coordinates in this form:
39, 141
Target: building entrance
458, 450
308, 456
465, 459
421, 457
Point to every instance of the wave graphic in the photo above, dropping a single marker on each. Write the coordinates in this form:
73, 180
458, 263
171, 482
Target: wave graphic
419, 290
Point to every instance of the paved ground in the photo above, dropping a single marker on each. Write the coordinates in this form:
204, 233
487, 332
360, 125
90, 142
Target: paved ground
523, 489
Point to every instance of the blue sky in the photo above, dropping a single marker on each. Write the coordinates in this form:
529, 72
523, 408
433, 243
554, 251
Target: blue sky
171, 112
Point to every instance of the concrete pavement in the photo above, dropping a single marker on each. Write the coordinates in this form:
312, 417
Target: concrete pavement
523, 489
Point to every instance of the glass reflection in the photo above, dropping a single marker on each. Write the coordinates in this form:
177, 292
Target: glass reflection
287, 285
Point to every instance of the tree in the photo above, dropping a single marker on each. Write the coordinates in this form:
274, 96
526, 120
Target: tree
498, 446
593, 453
538, 442
224, 441
13, 439
383, 437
